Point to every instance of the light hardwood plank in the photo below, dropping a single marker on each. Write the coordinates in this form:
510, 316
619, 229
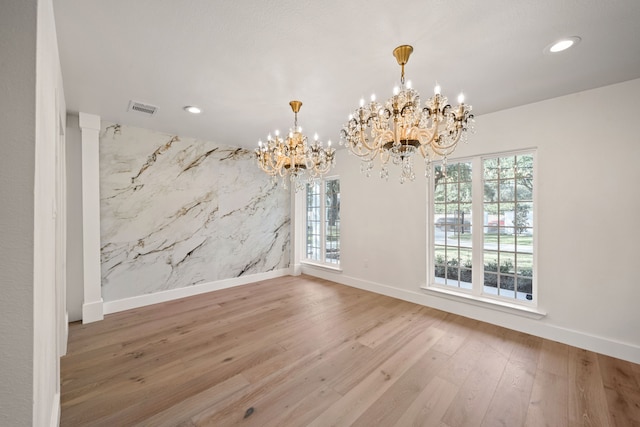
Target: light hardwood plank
622, 391
554, 358
397, 399
548, 403
185, 409
473, 399
270, 402
587, 400
346, 410
298, 351
429, 406
463, 362
510, 401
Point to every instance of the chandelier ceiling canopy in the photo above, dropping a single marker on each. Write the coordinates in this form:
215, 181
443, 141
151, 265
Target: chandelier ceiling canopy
398, 128
292, 158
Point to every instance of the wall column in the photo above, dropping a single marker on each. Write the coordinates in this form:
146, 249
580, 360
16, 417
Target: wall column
92, 308
297, 229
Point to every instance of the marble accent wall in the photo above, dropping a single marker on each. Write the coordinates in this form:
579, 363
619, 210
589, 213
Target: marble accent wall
177, 212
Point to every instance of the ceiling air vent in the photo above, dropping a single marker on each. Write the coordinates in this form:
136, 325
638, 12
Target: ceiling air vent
142, 108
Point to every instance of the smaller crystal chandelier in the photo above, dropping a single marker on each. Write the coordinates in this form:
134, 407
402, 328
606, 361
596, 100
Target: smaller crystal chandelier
398, 128
292, 157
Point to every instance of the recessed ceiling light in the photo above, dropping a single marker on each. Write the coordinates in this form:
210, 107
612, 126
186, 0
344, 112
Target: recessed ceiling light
192, 109
562, 44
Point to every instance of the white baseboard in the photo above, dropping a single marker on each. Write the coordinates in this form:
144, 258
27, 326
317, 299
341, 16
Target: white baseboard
535, 327
296, 269
54, 421
92, 311
65, 338
172, 294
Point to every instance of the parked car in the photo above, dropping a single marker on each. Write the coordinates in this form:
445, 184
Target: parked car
496, 227
453, 223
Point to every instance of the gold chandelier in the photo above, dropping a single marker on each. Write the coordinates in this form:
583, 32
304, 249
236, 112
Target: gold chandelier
398, 128
292, 157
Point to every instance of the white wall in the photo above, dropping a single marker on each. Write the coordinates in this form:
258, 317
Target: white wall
588, 205
17, 121
75, 273
31, 97
50, 121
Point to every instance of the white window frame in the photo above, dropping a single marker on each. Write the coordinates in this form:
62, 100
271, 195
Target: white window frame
476, 294
323, 237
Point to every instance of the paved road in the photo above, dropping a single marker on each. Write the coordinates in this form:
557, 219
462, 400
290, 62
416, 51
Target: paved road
439, 238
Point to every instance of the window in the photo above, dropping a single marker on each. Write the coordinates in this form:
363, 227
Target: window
508, 226
323, 221
496, 258
452, 225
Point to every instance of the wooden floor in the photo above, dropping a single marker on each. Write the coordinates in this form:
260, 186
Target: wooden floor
298, 351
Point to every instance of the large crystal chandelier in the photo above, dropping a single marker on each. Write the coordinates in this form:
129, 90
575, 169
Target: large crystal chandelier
292, 158
398, 128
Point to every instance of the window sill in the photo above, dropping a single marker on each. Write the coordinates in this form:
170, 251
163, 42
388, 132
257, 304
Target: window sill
318, 265
486, 302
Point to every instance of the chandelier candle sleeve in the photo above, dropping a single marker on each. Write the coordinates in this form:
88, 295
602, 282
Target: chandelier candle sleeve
396, 130
293, 158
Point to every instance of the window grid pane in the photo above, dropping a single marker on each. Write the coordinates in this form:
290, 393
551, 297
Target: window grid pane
508, 231
322, 239
452, 225
332, 221
313, 247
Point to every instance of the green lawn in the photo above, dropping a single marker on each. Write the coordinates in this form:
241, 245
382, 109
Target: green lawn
504, 238
464, 254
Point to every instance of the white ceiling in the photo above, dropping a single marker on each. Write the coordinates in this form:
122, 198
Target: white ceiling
242, 61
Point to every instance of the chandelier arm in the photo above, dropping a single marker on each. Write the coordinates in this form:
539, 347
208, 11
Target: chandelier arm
364, 152
441, 150
270, 168
424, 136
406, 106
454, 137
386, 135
263, 168
319, 171
362, 134
265, 163
368, 156
363, 140
267, 166
434, 140
423, 151
262, 164
279, 165
436, 120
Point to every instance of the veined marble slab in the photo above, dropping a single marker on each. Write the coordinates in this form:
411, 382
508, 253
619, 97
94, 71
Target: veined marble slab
178, 212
